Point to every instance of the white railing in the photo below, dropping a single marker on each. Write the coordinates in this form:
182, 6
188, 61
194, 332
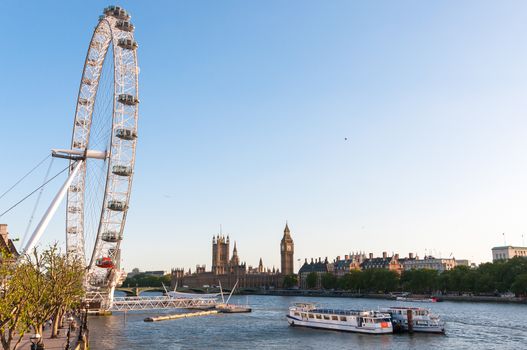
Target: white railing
160, 302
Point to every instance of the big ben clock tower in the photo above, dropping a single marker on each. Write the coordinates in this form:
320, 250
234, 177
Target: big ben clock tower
287, 249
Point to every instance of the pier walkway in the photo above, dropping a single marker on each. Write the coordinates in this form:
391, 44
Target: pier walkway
160, 302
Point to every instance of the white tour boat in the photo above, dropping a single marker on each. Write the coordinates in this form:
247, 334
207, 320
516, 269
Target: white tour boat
308, 315
422, 319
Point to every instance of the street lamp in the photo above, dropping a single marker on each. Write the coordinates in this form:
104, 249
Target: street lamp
35, 339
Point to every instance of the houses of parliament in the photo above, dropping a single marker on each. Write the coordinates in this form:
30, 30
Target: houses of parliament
229, 269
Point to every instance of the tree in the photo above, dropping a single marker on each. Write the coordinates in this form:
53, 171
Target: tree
311, 280
328, 281
420, 281
66, 276
290, 281
144, 280
53, 284
13, 303
519, 287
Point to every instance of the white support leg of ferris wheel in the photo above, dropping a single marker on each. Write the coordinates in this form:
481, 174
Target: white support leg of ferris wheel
43, 224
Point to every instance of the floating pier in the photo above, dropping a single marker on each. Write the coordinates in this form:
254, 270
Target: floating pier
176, 316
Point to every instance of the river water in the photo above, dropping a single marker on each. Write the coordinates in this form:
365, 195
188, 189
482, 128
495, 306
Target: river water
468, 326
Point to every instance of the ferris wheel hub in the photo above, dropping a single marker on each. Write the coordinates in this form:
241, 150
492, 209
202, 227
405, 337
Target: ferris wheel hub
75, 154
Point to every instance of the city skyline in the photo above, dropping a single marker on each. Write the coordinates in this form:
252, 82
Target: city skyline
397, 127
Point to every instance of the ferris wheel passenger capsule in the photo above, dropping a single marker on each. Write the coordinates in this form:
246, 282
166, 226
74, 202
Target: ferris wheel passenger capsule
126, 134
127, 99
128, 44
117, 205
122, 170
126, 26
105, 263
110, 236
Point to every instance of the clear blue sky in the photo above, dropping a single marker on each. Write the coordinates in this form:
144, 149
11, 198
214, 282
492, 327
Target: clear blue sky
245, 107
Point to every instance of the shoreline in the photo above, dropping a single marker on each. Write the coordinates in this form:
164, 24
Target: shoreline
330, 294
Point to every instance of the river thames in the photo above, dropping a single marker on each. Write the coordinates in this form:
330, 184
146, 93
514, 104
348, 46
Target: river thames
468, 326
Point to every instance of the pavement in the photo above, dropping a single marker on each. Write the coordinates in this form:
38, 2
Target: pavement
52, 343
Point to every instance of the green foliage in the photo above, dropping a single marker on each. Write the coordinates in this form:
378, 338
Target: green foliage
328, 281
144, 280
520, 284
290, 281
420, 281
36, 288
311, 280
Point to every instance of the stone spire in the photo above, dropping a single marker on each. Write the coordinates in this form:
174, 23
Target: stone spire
260, 266
286, 230
235, 261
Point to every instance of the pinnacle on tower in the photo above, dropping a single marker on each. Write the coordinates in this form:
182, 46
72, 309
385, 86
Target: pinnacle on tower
286, 230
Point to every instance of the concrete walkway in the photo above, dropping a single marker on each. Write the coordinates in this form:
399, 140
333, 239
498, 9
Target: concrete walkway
52, 343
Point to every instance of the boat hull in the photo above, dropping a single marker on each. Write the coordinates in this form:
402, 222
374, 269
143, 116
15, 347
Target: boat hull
336, 327
235, 311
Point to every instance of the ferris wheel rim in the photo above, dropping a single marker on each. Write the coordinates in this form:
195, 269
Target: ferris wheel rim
122, 84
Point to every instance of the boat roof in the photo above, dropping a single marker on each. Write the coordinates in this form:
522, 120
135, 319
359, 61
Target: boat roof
406, 308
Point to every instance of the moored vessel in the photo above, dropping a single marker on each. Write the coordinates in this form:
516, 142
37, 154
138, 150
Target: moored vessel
414, 319
418, 300
308, 315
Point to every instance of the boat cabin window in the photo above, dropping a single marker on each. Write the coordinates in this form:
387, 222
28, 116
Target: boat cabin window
297, 314
334, 318
343, 318
304, 315
326, 317
319, 317
311, 316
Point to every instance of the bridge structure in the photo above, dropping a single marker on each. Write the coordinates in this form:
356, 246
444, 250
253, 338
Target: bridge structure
136, 291
160, 302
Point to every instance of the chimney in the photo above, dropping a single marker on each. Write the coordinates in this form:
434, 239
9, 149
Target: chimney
3, 233
384, 255
410, 255
371, 255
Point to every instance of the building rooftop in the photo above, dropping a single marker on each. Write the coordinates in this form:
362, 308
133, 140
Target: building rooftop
509, 246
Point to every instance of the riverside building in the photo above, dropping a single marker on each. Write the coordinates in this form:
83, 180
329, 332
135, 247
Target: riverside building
508, 252
430, 263
6, 244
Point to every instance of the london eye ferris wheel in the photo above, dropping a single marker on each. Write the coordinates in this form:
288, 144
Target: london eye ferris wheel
102, 153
